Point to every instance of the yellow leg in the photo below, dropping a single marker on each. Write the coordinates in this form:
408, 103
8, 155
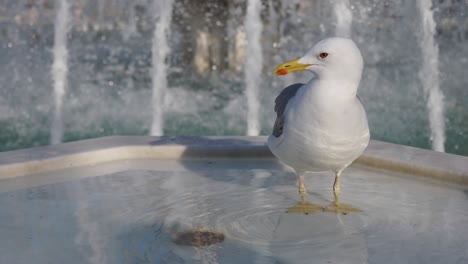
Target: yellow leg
302, 188
336, 206
303, 207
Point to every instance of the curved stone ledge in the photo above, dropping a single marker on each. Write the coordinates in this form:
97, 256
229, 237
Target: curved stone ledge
379, 155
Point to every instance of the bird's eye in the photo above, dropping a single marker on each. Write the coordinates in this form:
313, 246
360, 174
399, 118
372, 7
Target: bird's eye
323, 55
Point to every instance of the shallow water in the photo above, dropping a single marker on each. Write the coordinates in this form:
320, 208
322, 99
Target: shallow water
116, 213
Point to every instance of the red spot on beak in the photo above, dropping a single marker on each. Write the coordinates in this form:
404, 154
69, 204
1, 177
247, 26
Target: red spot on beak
282, 72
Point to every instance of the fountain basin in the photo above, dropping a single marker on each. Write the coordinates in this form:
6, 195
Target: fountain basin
124, 199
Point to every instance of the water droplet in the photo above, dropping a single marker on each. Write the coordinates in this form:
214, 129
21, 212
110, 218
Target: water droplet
10, 44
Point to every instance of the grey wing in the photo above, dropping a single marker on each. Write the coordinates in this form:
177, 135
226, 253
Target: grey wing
280, 105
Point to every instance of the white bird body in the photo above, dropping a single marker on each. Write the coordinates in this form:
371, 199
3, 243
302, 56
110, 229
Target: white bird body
321, 131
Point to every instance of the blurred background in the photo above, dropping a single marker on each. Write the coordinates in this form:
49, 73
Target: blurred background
80, 69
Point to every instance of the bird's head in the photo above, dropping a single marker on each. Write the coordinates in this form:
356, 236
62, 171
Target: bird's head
331, 58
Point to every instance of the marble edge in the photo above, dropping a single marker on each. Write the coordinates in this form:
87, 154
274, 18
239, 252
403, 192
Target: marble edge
380, 155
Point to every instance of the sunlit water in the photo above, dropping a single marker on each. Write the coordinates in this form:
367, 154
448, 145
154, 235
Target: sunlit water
130, 217
159, 51
344, 18
59, 70
253, 65
109, 84
429, 75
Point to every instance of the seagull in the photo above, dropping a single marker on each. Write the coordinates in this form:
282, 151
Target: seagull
321, 125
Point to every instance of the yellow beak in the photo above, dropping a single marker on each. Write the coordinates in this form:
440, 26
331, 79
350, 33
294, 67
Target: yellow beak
290, 66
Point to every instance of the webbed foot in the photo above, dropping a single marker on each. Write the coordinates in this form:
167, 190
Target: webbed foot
304, 207
341, 208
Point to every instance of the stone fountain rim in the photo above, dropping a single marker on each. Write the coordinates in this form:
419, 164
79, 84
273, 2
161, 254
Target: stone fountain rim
379, 155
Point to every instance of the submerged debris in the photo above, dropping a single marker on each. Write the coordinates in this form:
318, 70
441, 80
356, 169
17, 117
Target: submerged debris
198, 237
